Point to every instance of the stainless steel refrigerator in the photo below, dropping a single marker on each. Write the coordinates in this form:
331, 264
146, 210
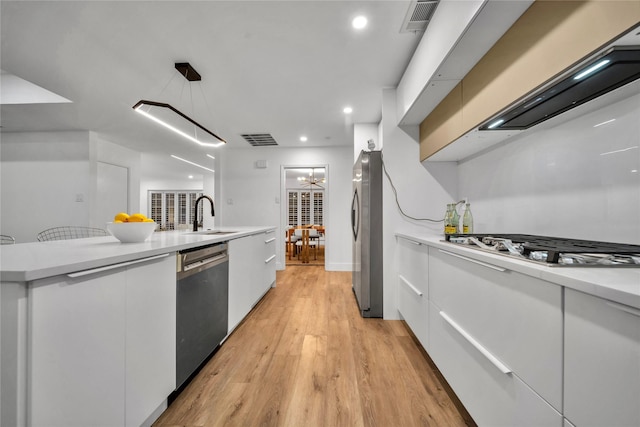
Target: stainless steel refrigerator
366, 225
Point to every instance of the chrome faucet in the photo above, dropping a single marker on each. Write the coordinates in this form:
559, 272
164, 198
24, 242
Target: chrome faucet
195, 211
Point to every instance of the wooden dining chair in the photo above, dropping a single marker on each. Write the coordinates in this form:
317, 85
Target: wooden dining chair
292, 238
308, 239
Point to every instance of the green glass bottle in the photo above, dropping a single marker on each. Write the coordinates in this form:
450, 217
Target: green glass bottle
467, 220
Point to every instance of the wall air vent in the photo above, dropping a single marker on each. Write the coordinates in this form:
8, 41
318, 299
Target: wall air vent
259, 139
418, 16
606, 72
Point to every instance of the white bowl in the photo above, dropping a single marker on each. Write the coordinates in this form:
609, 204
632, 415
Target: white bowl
131, 232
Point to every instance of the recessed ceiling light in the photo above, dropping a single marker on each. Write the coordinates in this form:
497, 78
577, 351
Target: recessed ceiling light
359, 22
303, 138
190, 176
348, 110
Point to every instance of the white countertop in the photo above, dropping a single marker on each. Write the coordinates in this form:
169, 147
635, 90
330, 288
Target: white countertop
31, 261
621, 285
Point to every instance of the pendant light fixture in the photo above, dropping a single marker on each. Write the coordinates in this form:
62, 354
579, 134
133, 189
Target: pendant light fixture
176, 121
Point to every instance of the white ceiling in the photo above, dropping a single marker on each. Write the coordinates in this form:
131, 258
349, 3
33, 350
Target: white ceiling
287, 68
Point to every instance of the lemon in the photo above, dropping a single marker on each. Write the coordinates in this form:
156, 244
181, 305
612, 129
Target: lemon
148, 220
117, 221
137, 217
121, 217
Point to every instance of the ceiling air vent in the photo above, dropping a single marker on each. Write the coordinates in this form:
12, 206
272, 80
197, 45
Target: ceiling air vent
418, 15
259, 139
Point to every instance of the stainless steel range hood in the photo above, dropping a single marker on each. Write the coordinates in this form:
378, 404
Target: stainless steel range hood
590, 79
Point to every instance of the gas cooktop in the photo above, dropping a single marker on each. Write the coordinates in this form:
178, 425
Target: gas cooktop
553, 251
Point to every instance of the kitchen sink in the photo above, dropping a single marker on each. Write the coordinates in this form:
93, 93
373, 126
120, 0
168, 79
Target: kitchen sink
211, 232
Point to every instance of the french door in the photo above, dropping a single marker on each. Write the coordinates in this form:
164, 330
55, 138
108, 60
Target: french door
305, 207
170, 209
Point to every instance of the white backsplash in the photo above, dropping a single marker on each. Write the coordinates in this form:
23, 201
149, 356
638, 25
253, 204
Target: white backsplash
572, 180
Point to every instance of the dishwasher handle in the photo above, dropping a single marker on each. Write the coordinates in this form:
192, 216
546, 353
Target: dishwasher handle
213, 261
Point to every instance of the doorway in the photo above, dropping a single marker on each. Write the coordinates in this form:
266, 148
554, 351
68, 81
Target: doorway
305, 208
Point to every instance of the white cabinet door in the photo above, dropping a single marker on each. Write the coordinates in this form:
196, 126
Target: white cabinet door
77, 350
517, 318
150, 337
413, 279
492, 397
602, 362
243, 274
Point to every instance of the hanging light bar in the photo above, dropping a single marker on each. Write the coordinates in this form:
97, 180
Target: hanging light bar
174, 120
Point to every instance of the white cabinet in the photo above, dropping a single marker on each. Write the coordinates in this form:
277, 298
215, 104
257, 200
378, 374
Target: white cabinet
77, 351
602, 362
413, 275
269, 261
251, 273
496, 335
492, 397
101, 345
150, 338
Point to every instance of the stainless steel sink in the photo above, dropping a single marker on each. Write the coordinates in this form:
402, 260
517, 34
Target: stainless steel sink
211, 232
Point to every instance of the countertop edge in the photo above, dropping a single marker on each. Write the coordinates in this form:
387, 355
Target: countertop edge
108, 250
621, 285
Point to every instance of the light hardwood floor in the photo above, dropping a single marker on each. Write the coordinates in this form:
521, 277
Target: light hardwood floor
305, 357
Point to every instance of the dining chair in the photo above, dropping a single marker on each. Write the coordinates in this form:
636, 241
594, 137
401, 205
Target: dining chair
7, 240
70, 232
291, 241
308, 239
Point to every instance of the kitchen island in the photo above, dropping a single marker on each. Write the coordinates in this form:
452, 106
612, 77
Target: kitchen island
89, 325
522, 343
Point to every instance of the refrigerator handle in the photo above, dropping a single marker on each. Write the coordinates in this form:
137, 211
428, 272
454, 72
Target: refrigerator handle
354, 217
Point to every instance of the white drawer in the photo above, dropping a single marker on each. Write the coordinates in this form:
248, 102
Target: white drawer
516, 317
413, 268
413, 305
602, 362
492, 397
413, 263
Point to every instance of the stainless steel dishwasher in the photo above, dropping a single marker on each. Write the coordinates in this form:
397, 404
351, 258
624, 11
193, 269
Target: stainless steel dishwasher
202, 310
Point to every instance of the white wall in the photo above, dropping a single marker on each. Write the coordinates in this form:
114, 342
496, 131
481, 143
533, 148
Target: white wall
572, 180
250, 196
423, 192
41, 175
49, 179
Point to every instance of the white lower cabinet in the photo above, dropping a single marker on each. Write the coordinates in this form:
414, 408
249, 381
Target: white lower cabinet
496, 336
252, 271
77, 351
515, 317
413, 298
269, 261
150, 338
602, 362
492, 397
101, 345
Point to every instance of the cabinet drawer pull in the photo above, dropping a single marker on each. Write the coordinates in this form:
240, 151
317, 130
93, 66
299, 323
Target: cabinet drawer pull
271, 258
269, 231
498, 364
113, 266
409, 285
625, 308
270, 240
484, 264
